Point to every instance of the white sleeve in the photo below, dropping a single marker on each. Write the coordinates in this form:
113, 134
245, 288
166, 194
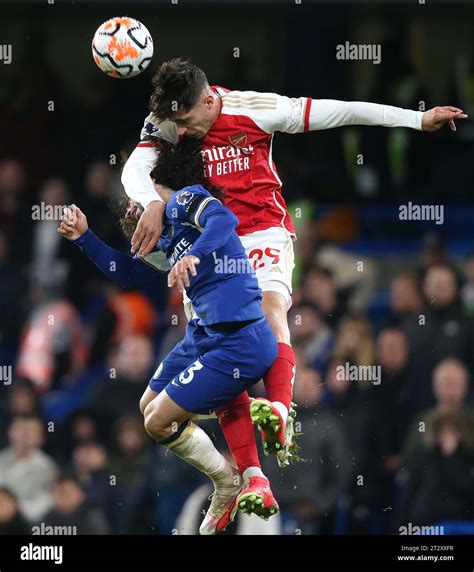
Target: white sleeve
329, 113
136, 175
273, 112
136, 172
270, 112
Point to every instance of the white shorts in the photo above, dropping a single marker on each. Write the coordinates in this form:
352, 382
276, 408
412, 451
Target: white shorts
272, 255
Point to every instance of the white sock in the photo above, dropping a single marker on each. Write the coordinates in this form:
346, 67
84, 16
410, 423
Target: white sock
282, 409
196, 448
252, 472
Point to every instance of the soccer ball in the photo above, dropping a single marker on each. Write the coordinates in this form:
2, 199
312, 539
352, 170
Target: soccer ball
122, 47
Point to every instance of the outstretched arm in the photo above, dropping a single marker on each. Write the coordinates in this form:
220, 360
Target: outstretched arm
328, 113
126, 270
297, 115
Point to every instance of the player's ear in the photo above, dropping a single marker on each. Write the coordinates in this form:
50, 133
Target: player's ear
209, 101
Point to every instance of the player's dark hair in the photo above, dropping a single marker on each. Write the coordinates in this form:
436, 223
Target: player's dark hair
121, 207
177, 86
182, 165
177, 166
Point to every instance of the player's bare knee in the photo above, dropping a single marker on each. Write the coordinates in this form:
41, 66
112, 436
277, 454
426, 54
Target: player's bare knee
143, 403
152, 422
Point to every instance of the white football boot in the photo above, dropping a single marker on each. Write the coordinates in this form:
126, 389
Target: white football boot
223, 507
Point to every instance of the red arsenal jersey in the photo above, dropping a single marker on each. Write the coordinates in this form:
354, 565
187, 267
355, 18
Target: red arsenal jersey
238, 150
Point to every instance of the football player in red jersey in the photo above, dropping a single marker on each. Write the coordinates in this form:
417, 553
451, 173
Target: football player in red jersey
237, 129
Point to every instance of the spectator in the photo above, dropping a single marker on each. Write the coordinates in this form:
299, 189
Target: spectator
83, 428
54, 347
405, 298
131, 369
467, 292
159, 495
433, 251
11, 519
13, 294
319, 288
50, 265
450, 390
393, 393
440, 484
442, 330
25, 469
125, 314
22, 400
354, 276
90, 466
130, 454
308, 330
389, 416
354, 343
99, 191
348, 403
80, 427
308, 496
100, 187
70, 509
130, 459
15, 211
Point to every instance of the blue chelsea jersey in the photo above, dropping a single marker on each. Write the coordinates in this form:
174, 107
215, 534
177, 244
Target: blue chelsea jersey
225, 288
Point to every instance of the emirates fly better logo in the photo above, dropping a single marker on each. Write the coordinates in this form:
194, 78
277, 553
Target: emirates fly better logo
228, 160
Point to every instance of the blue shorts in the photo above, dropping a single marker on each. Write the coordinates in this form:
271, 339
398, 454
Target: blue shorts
207, 369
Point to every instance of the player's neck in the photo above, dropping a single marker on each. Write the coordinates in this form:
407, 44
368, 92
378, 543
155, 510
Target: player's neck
165, 192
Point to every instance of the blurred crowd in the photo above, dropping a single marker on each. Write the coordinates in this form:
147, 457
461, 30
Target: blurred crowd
377, 453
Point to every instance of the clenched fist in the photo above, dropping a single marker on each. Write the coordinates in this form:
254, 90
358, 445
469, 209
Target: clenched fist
73, 223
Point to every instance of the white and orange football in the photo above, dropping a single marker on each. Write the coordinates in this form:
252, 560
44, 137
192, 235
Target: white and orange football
122, 47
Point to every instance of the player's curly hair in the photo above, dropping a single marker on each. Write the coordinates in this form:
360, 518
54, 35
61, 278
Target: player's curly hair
177, 166
177, 86
182, 165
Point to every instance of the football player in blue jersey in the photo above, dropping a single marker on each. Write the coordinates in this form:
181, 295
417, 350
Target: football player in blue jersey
228, 345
